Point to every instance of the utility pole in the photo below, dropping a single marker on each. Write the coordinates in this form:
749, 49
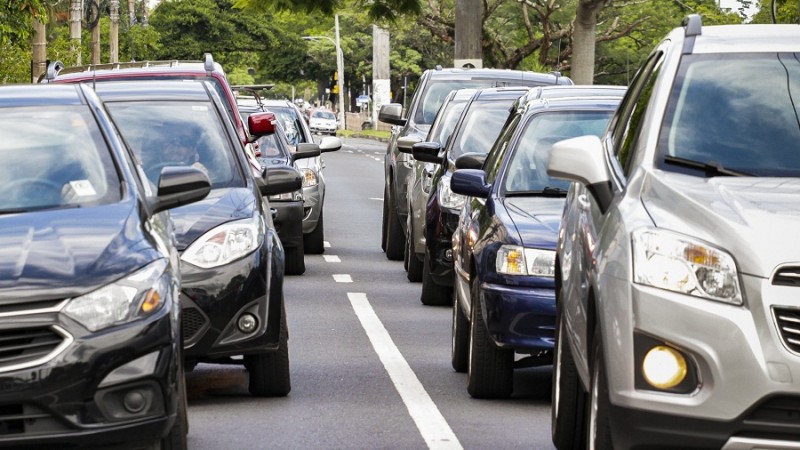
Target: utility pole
75, 9
340, 81
381, 88
114, 33
469, 34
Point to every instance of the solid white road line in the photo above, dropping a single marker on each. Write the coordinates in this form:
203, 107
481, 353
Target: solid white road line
331, 258
376, 198
342, 278
430, 422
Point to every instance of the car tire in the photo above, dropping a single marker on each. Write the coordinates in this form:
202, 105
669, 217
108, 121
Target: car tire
413, 264
490, 370
459, 343
395, 241
598, 431
294, 261
433, 294
314, 242
176, 438
269, 372
568, 397
385, 218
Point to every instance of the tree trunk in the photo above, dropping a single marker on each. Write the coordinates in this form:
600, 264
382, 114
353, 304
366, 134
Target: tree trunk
469, 33
39, 57
113, 51
583, 40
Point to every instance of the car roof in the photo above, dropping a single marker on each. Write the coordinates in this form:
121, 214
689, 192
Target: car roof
583, 90
154, 90
500, 93
495, 74
35, 95
571, 103
136, 69
743, 38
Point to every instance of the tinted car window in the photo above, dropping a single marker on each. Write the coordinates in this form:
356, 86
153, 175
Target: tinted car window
437, 91
54, 157
323, 115
441, 130
290, 122
495, 157
527, 166
754, 124
177, 133
481, 125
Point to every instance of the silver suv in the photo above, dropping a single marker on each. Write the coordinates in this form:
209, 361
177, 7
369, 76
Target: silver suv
678, 260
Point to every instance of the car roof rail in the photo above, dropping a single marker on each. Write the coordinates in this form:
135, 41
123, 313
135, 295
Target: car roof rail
52, 70
208, 63
693, 27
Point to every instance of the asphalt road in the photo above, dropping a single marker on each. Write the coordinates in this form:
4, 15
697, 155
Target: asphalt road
370, 364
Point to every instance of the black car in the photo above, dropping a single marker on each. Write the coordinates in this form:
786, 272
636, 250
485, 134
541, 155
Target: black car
231, 256
89, 279
272, 149
478, 126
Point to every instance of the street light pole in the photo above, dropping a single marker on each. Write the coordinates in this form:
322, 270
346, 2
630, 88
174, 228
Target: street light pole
339, 70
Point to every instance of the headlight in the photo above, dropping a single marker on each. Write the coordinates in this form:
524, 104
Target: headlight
287, 196
517, 260
447, 198
137, 295
225, 243
309, 178
681, 264
427, 180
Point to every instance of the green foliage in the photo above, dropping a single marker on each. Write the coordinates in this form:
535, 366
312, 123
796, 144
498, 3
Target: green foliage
786, 11
16, 19
376, 9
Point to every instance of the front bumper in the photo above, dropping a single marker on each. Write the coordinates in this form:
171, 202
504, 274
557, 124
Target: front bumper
289, 222
59, 404
212, 301
519, 317
440, 224
312, 206
748, 380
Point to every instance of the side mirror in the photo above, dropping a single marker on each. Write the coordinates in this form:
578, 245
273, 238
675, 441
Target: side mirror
330, 144
427, 152
470, 182
392, 113
262, 124
405, 143
582, 160
471, 160
306, 150
280, 180
178, 186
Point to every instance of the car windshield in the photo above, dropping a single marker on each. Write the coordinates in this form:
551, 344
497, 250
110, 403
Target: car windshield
526, 170
54, 157
479, 128
177, 134
290, 121
446, 121
270, 146
326, 115
734, 111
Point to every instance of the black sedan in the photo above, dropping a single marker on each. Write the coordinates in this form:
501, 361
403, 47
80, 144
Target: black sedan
90, 349
231, 257
504, 245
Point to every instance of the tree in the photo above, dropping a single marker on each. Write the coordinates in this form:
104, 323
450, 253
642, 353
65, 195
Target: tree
583, 40
376, 9
16, 16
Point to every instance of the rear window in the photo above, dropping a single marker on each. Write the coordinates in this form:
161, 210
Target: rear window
54, 157
323, 115
175, 133
738, 111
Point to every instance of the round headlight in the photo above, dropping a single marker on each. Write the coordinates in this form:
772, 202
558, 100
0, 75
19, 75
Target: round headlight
664, 367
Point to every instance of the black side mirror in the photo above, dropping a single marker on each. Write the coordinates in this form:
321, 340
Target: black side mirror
180, 185
279, 180
427, 152
306, 150
470, 182
392, 113
471, 160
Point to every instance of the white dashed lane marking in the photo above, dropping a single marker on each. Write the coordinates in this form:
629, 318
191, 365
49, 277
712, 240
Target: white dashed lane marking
331, 258
342, 278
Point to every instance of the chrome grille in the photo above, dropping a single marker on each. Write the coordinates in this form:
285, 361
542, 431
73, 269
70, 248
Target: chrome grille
26, 347
787, 276
788, 321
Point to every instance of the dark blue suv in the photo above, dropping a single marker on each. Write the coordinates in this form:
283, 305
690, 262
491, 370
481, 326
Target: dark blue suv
90, 348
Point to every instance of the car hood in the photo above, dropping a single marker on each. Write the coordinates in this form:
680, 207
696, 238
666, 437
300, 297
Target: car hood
536, 219
69, 252
220, 206
754, 219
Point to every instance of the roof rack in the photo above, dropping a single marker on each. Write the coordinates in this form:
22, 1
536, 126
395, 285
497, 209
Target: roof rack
253, 88
693, 27
52, 70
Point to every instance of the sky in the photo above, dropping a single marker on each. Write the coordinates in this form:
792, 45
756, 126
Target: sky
734, 5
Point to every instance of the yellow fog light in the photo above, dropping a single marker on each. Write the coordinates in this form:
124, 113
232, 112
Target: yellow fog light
151, 302
664, 367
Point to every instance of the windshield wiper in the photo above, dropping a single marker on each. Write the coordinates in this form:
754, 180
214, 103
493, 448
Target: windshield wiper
711, 168
547, 191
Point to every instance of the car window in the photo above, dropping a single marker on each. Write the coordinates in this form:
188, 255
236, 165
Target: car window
290, 121
527, 166
754, 123
495, 157
177, 134
479, 128
326, 115
54, 157
446, 121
